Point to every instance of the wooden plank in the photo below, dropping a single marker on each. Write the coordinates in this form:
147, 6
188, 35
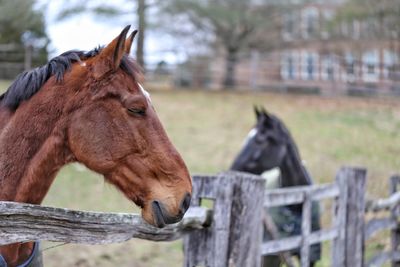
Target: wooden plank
339, 220
11, 65
383, 204
295, 195
28, 57
323, 235
325, 191
204, 187
272, 229
246, 229
25, 222
356, 180
289, 243
381, 258
9, 47
395, 232
283, 196
284, 244
238, 203
229, 239
305, 231
373, 226
209, 247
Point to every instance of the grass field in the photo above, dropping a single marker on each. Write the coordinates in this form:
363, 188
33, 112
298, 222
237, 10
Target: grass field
208, 129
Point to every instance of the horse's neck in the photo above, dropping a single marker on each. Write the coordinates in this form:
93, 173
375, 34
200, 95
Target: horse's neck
31, 152
292, 170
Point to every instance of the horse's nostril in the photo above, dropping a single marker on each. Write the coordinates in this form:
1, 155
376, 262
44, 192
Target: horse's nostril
185, 203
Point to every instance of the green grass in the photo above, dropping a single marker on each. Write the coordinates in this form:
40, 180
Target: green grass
208, 129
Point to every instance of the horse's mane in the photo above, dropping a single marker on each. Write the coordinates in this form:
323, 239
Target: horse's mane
29, 82
283, 131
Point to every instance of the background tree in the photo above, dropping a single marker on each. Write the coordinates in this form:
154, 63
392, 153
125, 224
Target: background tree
381, 18
22, 24
104, 9
235, 25
19, 18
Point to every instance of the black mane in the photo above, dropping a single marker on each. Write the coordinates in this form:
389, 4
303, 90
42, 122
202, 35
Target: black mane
29, 82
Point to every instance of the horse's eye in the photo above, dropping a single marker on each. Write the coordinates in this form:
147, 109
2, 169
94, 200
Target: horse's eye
137, 111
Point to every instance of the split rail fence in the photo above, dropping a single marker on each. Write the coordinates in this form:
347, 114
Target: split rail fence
230, 232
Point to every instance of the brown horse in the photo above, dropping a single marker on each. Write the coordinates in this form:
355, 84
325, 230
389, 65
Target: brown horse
88, 107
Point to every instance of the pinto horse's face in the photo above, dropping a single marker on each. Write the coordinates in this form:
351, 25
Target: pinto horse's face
265, 146
118, 134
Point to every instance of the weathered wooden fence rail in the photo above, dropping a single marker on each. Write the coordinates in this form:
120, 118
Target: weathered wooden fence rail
391, 222
14, 59
222, 237
25, 222
230, 232
350, 230
346, 217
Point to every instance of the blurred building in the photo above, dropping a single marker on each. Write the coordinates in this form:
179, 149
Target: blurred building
319, 54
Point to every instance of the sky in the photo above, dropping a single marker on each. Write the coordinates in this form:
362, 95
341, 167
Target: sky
86, 32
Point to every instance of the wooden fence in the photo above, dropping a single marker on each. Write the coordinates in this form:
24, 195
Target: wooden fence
376, 225
14, 59
230, 232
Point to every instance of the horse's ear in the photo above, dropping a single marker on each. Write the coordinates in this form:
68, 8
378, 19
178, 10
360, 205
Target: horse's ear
129, 41
265, 113
110, 56
257, 112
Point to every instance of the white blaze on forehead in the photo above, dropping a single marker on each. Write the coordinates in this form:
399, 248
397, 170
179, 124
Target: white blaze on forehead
146, 94
251, 134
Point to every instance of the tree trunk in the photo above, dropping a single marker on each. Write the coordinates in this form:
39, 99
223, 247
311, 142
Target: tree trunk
230, 67
141, 10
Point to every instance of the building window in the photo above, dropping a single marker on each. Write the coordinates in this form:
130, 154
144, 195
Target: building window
350, 66
309, 65
389, 61
288, 26
310, 19
327, 15
288, 68
370, 61
355, 29
328, 68
370, 68
310, 68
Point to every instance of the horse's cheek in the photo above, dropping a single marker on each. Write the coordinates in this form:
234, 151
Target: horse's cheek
89, 146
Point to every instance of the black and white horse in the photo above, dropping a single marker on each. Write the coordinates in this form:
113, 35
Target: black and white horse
268, 146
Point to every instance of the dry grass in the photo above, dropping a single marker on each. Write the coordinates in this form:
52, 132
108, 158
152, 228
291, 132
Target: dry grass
208, 129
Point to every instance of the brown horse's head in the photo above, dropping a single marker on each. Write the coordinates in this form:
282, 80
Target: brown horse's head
118, 134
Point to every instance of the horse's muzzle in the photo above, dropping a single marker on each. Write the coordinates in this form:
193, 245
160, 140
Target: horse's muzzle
161, 215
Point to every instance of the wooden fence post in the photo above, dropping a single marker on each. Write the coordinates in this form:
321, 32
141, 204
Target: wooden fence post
28, 57
306, 231
235, 235
352, 181
395, 233
339, 221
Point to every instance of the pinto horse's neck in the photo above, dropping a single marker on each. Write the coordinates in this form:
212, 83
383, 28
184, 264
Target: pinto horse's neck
33, 149
293, 171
